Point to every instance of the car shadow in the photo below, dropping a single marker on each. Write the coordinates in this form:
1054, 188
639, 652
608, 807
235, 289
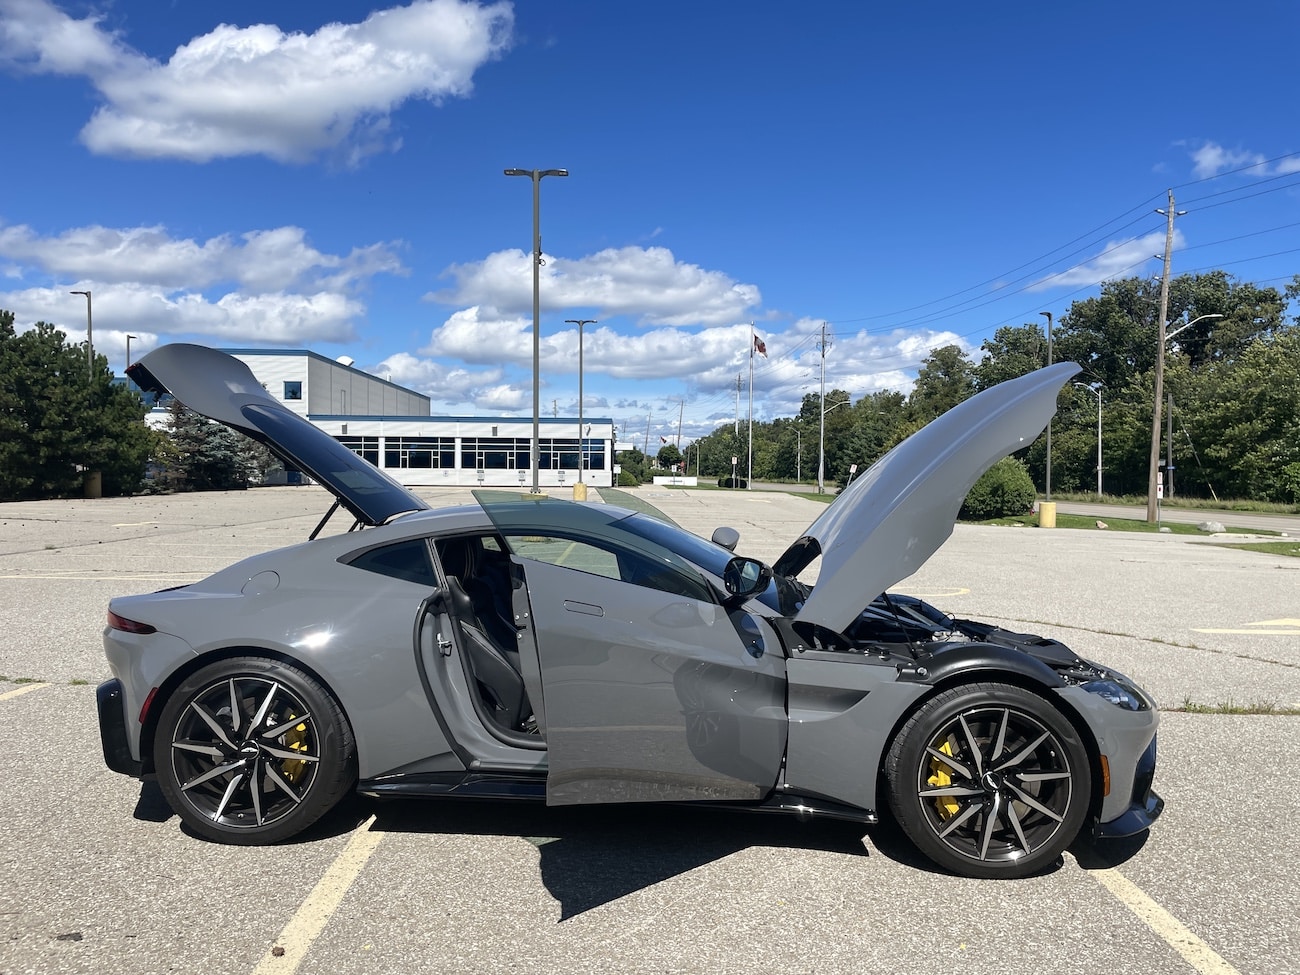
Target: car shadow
1094, 854
593, 855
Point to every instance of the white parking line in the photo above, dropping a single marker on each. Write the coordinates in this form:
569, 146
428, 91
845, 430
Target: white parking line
306, 925
1195, 952
7, 695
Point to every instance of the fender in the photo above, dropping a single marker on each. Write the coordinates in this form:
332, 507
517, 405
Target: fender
950, 660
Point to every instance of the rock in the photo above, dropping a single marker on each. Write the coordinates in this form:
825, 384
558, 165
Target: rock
1165, 530
1102, 525
1211, 527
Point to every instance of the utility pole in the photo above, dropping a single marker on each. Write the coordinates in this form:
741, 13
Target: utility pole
681, 411
647, 436
821, 404
749, 477
736, 428
1153, 503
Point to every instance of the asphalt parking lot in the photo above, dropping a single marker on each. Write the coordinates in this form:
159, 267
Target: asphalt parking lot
99, 877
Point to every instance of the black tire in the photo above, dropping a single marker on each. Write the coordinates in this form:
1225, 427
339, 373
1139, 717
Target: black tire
989, 780
251, 751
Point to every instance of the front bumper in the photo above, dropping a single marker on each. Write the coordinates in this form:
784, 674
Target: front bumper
1145, 804
110, 698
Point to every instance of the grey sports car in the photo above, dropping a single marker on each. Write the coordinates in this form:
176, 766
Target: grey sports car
534, 648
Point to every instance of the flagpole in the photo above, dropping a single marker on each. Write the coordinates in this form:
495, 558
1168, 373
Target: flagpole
749, 480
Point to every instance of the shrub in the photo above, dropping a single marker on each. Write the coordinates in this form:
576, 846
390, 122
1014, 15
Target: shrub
1004, 490
628, 479
732, 482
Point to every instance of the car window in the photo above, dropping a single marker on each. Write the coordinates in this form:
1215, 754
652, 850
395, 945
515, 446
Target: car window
407, 560
663, 571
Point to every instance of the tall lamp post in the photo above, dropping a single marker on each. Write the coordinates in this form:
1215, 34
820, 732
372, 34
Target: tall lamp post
90, 342
536, 175
128, 349
582, 449
1096, 389
1048, 315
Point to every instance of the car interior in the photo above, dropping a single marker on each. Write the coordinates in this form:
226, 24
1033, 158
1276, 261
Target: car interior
480, 583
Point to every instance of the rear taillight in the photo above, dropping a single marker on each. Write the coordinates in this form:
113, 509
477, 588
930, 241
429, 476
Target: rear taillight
128, 626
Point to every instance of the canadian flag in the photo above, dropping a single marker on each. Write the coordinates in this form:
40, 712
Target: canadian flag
760, 346
663, 439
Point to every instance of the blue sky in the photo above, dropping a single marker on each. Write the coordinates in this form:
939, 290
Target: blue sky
330, 176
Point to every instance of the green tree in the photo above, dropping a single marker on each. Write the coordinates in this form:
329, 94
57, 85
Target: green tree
668, 457
945, 379
1014, 350
209, 456
61, 417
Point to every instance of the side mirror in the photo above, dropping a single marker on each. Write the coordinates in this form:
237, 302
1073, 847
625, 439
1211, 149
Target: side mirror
745, 577
726, 537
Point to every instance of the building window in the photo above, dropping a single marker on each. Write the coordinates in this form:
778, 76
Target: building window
420, 452
554, 454
494, 453
366, 447
293, 390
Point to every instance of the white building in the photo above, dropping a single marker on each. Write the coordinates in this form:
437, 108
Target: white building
390, 426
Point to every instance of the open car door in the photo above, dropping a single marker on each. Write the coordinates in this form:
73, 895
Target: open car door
649, 692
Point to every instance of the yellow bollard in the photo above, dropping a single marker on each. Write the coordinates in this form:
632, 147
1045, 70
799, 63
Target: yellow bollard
580, 491
1047, 514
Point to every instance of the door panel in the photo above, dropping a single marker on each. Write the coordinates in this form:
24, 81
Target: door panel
651, 695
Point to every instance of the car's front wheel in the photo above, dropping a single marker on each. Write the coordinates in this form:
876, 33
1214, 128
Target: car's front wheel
250, 751
989, 780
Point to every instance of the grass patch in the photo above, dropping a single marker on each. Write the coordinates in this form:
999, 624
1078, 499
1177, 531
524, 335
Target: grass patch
1182, 503
1232, 707
1089, 523
1291, 548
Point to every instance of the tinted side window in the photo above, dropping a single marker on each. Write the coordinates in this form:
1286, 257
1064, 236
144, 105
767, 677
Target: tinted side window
407, 560
663, 571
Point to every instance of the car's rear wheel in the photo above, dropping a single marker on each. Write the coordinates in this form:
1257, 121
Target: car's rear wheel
989, 780
250, 751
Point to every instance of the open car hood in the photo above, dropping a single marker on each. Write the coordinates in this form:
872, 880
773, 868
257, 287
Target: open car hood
886, 523
224, 389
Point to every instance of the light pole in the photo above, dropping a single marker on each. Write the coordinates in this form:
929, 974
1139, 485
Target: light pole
821, 447
128, 350
1048, 314
582, 450
1096, 389
90, 343
1184, 328
536, 176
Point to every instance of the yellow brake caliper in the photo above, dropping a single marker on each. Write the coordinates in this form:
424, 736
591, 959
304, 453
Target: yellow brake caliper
296, 740
940, 776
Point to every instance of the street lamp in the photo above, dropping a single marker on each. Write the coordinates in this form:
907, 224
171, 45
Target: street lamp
1048, 314
1184, 328
536, 176
1153, 502
128, 349
582, 450
90, 344
821, 445
1096, 389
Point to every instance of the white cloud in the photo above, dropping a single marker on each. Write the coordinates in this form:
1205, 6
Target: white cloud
257, 90
1212, 159
645, 283
1117, 259
260, 260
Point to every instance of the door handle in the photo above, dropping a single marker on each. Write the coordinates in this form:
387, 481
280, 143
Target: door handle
444, 645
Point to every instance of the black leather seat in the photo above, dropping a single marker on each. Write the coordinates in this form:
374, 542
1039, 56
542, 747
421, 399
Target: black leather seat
489, 641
